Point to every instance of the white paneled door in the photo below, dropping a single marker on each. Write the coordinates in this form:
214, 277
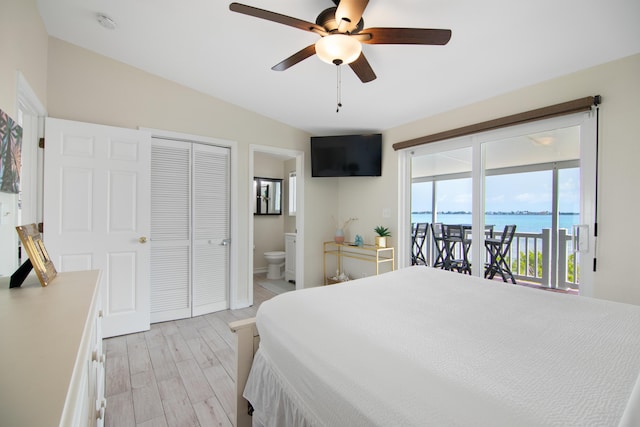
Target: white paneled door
189, 229
96, 213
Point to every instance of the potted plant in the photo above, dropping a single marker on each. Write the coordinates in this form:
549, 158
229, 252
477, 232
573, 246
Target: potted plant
382, 234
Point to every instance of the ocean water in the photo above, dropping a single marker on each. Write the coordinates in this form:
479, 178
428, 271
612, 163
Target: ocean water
524, 223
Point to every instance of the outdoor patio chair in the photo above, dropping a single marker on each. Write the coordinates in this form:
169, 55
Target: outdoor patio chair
439, 245
499, 255
488, 231
456, 259
418, 237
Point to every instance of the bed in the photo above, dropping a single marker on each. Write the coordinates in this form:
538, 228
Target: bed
422, 346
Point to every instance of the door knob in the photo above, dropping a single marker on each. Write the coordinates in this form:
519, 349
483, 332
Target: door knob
142, 239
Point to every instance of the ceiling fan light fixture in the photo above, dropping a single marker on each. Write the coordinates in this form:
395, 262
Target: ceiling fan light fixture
338, 49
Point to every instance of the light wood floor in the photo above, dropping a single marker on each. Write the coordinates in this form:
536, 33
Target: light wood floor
179, 373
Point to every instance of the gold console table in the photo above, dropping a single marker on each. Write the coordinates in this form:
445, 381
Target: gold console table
368, 253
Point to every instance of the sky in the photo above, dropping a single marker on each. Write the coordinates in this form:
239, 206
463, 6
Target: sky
530, 191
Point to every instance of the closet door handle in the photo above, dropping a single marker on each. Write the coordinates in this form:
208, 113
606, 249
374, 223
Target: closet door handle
225, 242
142, 239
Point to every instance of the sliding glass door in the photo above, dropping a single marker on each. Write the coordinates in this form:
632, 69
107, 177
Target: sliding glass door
441, 193
539, 177
533, 182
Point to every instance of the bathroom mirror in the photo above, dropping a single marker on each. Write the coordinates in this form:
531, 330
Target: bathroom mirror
268, 193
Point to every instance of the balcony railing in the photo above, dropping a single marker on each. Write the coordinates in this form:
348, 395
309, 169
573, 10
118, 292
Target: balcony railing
531, 259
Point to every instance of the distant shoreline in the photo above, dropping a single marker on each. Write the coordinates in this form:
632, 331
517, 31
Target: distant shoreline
496, 213
525, 221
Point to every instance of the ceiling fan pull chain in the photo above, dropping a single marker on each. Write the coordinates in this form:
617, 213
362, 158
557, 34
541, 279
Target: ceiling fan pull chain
339, 88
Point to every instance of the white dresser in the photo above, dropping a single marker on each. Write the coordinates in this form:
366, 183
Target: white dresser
51, 359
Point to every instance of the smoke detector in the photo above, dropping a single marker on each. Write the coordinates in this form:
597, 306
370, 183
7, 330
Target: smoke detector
106, 21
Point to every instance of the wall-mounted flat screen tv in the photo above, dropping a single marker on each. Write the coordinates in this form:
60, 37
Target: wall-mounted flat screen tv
346, 155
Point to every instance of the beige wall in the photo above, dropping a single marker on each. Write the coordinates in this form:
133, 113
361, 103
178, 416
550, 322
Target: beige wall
23, 47
368, 198
619, 84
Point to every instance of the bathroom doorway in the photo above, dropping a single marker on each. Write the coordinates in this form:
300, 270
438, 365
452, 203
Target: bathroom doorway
276, 241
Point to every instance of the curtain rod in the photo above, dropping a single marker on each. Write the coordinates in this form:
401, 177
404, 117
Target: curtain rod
569, 107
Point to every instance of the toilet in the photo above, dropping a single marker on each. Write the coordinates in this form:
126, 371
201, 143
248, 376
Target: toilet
275, 260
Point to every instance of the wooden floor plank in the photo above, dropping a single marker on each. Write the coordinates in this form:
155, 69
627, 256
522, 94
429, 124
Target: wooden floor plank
139, 360
194, 381
227, 358
167, 328
164, 367
180, 413
221, 326
179, 373
154, 337
203, 354
224, 387
115, 346
211, 413
117, 376
156, 422
143, 379
172, 389
213, 339
146, 403
178, 347
119, 411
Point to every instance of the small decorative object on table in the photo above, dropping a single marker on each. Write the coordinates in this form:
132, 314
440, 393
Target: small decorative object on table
339, 236
382, 234
338, 278
358, 241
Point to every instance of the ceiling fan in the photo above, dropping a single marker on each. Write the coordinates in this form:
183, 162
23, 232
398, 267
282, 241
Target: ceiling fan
342, 31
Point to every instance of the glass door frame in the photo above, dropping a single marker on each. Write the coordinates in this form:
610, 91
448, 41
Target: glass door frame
588, 167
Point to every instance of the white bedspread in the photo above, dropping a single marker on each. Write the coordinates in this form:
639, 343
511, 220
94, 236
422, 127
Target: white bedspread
421, 346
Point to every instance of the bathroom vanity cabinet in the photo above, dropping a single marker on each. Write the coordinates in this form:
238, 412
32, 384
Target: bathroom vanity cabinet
290, 257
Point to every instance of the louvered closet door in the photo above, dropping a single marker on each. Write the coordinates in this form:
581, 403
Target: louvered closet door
211, 212
189, 229
170, 230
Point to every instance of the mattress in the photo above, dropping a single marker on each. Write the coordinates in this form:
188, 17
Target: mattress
423, 346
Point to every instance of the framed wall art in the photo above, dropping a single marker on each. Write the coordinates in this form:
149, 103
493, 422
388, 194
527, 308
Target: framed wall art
10, 154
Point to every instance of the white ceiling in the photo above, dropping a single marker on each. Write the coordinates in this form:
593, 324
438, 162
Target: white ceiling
497, 46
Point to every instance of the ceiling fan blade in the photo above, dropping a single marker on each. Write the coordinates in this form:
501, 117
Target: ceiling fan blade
362, 69
276, 17
348, 14
407, 36
295, 58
